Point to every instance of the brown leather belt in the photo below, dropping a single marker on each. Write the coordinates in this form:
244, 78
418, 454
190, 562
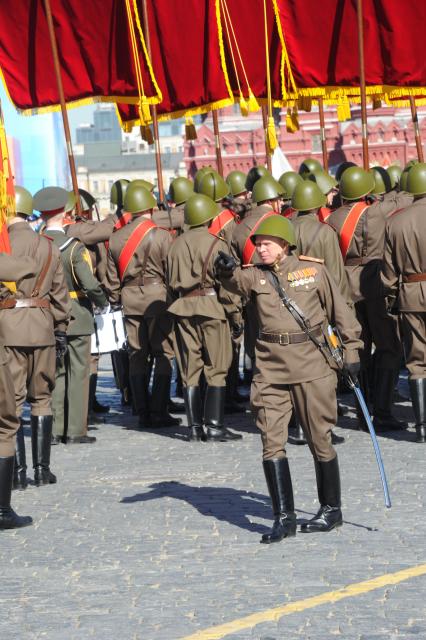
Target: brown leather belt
24, 303
141, 281
415, 277
352, 262
289, 338
205, 291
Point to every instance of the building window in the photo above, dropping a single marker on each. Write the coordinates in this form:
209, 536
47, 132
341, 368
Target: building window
316, 142
95, 185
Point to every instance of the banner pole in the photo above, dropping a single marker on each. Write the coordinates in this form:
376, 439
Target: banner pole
219, 161
154, 111
362, 84
322, 133
265, 126
64, 112
416, 129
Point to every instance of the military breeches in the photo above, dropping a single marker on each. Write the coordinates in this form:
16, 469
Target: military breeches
316, 409
33, 375
150, 339
414, 335
71, 395
378, 327
9, 422
203, 345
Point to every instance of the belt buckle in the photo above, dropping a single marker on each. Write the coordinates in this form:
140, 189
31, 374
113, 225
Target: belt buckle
284, 339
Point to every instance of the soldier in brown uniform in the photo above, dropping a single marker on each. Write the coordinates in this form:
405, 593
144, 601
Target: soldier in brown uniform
212, 185
202, 331
360, 227
136, 279
32, 321
12, 270
404, 278
290, 369
172, 218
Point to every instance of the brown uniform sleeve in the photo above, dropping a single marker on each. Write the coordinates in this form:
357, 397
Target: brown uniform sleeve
92, 231
83, 272
112, 281
240, 283
333, 260
339, 315
390, 271
59, 296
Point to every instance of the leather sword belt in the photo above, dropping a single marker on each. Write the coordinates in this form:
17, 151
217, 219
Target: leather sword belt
195, 293
352, 262
289, 338
415, 277
141, 281
24, 303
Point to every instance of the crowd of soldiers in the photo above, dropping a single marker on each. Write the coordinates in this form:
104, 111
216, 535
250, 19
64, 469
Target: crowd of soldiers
269, 268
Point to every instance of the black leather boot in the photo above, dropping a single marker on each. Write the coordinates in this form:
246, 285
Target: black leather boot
296, 435
8, 518
94, 406
97, 407
278, 479
140, 396
335, 439
160, 397
20, 470
214, 408
418, 398
41, 439
328, 484
194, 413
383, 399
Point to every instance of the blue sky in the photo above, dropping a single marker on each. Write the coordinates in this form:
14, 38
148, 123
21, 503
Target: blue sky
42, 143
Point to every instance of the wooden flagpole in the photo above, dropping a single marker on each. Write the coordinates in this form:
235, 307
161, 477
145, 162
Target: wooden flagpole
362, 84
416, 129
265, 126
322, 133
219, 161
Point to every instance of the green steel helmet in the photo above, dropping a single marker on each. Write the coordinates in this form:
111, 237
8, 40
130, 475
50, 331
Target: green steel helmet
278, 227
324, 181
416, 180
213, 185
23, 201
255, 174
118, 191
86, 201
180, 189
342, 168
289, 180
394, 173
139, 182
237, 183
200, 174
267, 189
404, 177
138, 199
307, 196
356, 183
382, 183
199, 209
308, 166
411, 163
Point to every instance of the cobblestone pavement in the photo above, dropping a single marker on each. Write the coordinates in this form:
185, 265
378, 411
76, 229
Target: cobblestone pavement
149, 537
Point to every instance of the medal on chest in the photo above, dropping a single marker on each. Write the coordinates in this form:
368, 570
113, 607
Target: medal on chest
302, 277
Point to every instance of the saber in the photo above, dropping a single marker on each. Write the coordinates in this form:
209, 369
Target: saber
358, 393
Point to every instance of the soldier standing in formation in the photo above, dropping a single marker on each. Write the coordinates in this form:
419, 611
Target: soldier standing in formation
32, 321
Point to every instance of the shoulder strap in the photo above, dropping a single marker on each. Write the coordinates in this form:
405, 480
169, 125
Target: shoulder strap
348, 228
323, 214
67, 243
206, 263
147, 252
289, 212
132, 244
221, 221
249, 248
43, 273
122, 221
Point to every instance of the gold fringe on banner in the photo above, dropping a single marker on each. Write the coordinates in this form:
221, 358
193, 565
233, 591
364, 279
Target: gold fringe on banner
190, 130
252, 102
244, 107
271, 136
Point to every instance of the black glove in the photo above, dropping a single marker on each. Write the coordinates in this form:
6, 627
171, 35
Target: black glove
61, 344
237, 330
353, 369
224, 265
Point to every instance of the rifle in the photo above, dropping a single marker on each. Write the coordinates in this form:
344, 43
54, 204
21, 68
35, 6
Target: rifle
335, 351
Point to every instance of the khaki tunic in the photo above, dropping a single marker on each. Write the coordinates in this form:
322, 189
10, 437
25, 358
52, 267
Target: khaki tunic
405, 255
399, 199
29, 332
296, 375
365, 284
149, 327
202, 331
91, 232
11, 270
172, 220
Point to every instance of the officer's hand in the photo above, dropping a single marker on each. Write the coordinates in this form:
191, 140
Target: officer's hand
392, 305
353, 369
237, 330
61, 343
224, 265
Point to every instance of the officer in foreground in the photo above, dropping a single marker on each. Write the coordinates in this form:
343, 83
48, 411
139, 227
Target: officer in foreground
291, 371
